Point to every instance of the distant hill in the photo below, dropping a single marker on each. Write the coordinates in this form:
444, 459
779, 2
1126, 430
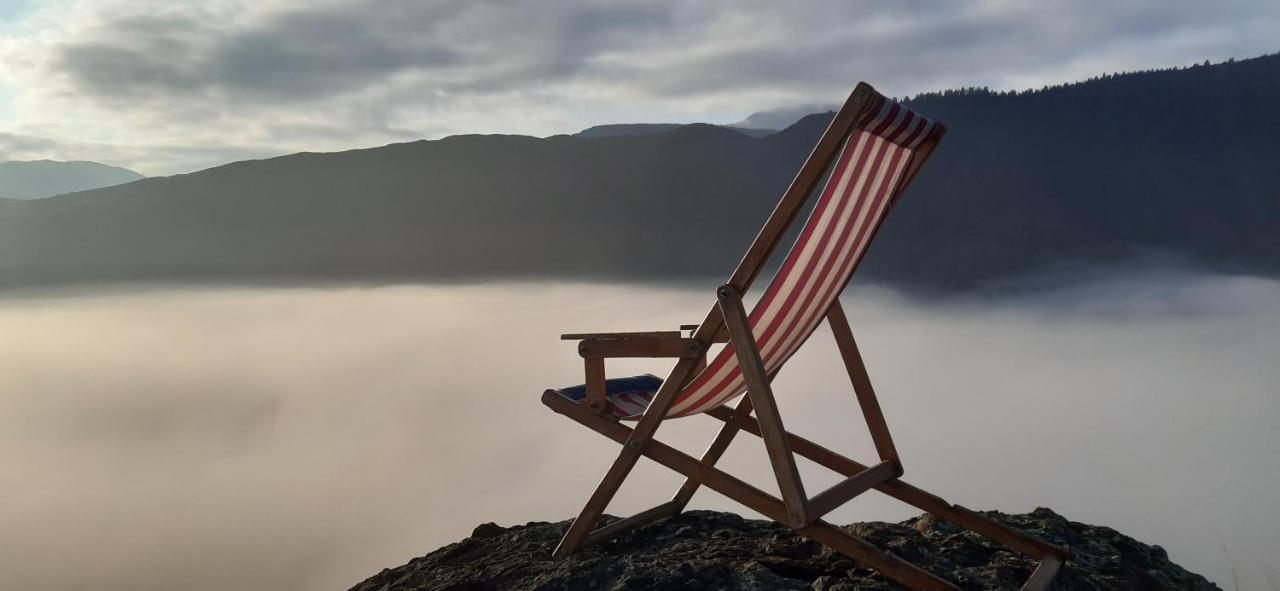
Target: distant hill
620, 129
782, 118
758, 124
1178, 164
45, 178
617, 129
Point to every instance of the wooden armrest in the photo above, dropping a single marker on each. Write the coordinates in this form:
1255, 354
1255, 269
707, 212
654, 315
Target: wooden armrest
622, 336
721, 336
639, 347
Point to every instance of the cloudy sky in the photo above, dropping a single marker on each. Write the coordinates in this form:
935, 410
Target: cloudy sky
166, 87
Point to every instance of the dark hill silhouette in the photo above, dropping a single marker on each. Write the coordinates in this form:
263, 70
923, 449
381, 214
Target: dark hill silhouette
44, 178
615, 129
1175, 163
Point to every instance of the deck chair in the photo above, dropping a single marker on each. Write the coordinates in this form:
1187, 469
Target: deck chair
868, 155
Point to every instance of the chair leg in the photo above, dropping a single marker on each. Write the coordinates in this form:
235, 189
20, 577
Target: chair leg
712, 454
761, 394
862, 385
717, 448
599, 500
626, 460
1042, 577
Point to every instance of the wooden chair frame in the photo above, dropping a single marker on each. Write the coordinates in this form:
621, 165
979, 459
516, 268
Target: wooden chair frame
757, 413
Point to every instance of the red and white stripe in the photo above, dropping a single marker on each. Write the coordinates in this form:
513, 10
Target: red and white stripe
629, 404
865, 180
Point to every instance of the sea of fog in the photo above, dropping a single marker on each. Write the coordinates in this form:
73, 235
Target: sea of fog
304, 438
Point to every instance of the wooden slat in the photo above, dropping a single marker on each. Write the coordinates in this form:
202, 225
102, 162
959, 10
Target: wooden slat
1042, 577
597, 398
909, 575
831, 499
862, 388
758, 388
666, 509
663, 347
655, 334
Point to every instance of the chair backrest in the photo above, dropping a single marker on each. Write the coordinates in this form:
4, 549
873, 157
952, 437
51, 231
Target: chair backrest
878, 156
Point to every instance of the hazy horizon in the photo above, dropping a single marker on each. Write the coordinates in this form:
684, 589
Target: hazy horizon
308, 437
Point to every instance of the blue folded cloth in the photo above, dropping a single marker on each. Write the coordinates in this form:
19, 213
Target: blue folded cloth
628, 397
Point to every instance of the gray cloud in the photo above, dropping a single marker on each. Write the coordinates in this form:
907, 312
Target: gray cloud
152, 75
297, 55
17, 143
308, 54
302, 56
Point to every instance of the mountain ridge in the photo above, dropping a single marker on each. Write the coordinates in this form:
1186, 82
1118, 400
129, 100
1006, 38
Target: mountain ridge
1094, 173
38, 179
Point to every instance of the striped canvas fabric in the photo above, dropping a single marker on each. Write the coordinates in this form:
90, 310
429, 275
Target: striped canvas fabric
865, 180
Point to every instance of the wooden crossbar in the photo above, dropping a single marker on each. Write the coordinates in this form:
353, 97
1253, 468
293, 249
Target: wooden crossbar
842, 492
652, 334
666, 509
1042, 578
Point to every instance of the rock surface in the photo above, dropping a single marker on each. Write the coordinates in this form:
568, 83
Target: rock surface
709, 550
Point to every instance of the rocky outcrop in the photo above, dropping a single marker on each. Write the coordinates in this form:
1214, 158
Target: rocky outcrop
708, 550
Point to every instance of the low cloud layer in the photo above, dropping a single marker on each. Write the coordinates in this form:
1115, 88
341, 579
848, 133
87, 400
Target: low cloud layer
306, 438
169, 87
